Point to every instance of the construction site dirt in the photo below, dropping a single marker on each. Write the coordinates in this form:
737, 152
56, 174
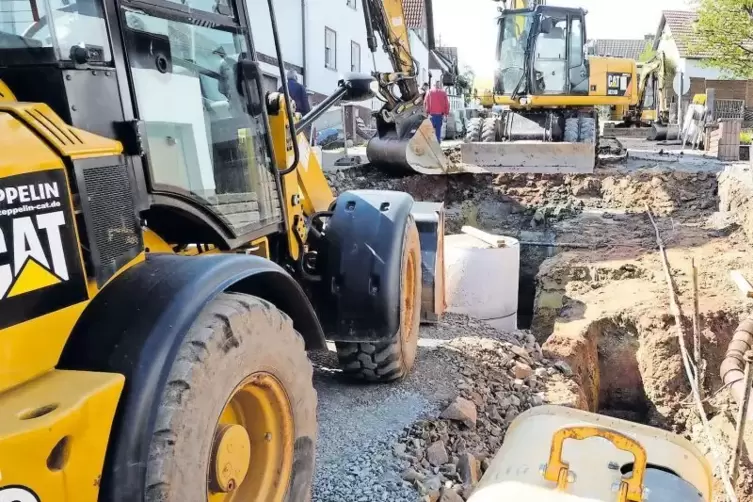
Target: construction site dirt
596, 331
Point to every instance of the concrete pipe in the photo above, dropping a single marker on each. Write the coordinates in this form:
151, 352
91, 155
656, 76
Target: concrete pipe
733, 366
664, 132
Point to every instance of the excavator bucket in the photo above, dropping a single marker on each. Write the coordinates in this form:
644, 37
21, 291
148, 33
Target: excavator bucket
416, 151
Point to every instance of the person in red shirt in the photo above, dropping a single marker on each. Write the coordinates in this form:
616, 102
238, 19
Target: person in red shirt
437, 105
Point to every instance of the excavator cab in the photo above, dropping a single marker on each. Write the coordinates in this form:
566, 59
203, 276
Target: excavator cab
541, 51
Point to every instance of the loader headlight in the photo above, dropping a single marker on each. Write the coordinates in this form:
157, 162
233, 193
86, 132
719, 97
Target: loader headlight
523, 101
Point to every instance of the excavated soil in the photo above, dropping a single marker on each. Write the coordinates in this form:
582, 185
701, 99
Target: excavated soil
592, 287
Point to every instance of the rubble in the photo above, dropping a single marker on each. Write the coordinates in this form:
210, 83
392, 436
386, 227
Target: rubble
597, 298
455, 448
461, 410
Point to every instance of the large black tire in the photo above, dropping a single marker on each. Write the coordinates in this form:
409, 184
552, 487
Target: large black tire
392, 359
235, 336
489, 130
572, 130
588, 131
473, 134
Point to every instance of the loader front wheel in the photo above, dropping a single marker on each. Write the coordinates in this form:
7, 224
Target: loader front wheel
237, 418
392, 359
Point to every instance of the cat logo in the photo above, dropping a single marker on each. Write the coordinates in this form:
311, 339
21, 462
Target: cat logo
31, 268
40, 265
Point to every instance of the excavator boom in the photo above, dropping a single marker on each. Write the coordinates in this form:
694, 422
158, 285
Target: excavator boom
405, 140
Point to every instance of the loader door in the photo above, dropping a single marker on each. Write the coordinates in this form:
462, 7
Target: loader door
203, 145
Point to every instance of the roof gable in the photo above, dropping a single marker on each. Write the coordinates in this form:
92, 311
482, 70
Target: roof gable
680, 25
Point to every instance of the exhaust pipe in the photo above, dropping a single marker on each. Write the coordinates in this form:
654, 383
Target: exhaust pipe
732, 369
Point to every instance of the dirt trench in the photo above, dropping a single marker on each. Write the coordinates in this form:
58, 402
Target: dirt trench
592, 288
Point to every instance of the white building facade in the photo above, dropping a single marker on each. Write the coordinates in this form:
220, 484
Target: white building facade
322, 40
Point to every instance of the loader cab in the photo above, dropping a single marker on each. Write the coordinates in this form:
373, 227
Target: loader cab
163, 77
541, 51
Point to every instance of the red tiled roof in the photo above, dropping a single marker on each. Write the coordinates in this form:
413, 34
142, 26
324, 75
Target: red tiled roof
414, 14
681, 24
630, 49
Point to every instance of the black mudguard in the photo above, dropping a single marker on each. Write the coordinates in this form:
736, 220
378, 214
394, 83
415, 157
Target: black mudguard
136, 324
360, 293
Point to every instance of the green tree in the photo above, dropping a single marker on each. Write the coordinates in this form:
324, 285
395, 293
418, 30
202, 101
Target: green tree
648, 52
464, 83
724, 33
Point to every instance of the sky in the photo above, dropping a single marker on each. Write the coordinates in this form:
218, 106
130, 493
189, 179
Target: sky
470, 24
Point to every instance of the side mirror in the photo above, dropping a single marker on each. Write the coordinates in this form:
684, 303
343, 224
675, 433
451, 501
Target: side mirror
248, 83
358, 87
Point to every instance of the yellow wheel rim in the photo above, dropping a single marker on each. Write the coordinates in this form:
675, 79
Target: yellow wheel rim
251, 459
409, 298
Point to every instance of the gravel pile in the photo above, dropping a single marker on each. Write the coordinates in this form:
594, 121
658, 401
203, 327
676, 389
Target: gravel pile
378, 442
357, 425
444, 458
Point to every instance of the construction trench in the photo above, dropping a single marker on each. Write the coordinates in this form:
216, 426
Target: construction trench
592, 292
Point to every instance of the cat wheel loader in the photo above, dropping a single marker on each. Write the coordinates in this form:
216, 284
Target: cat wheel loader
169, 251
539, 115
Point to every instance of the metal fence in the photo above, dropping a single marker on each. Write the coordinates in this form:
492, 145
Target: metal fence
456, 102
729, 109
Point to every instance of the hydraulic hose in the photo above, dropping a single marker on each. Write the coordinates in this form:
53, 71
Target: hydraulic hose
733, 366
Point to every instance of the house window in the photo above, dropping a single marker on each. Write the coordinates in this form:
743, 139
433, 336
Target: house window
355, 57
351, 3
330, 49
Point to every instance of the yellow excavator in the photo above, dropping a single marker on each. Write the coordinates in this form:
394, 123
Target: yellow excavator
540, 112
169, 251
405, 141
650, 105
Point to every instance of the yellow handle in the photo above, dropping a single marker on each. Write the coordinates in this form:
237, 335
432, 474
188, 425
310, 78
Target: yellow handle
557, 470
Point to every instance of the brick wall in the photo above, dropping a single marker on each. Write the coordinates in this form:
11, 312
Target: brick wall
725, 89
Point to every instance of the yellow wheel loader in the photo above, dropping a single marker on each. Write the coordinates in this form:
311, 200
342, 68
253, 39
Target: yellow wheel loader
540, 115
169, 251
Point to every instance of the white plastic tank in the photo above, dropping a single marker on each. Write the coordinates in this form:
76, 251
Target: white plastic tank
481, 274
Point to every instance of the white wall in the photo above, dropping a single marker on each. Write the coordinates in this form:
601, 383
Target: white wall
421, 54
288, 13
349, 25
668, 46
693, 68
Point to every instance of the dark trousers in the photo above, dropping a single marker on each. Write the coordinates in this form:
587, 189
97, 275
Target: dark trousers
436, 121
